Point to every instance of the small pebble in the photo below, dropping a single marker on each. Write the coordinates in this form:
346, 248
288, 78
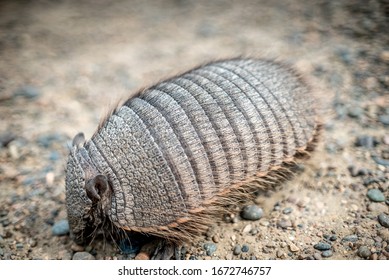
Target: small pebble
330, 237
375, 195
350, 238
237, 250
245, 248
322, 246
333, 237
354, 171
19, 246
283, 223
376, 207
83, 256
247, 228
13, 151
383, 219
227, 218
50, 178
369, 181
341, 111
317, 256
32, 243
384, 119
209, 248
332, 148
293, 248
7, 137
280, 254
366, 141
380, 161
364, 252
327, 253
355, 112
345, 55
60, 228
28, 91
385, 139
64, 255
210, 233
142, 256
216, 238
251, 212
287, 210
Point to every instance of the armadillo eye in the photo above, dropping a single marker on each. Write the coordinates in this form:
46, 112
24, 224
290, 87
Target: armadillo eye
97, 187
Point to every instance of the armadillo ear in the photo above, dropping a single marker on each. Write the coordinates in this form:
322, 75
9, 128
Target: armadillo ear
97, 187
78, 139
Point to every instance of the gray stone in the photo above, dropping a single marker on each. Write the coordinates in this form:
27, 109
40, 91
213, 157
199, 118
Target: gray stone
326, 253
209, 248
384, 119
284, 223
317, 256
83, 256
237, 250
380, 161
375, 195
322, 246
364, 252
28, 91
287, 210
251, 212
350, 238
366, 141
383, 219
245, 248
355, 112
60, 228
333, 237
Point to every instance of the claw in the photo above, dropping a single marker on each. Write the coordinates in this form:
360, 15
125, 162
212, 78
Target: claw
160, 249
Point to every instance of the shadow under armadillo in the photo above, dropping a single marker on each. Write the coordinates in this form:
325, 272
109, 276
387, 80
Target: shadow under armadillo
143, 247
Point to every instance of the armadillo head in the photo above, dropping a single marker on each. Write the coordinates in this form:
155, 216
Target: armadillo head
86, 192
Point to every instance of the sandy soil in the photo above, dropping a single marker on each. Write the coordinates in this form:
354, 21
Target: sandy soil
64, 64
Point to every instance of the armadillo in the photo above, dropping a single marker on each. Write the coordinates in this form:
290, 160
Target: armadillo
169, 157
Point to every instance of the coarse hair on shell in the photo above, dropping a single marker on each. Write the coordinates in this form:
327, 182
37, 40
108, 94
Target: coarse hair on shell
104, 194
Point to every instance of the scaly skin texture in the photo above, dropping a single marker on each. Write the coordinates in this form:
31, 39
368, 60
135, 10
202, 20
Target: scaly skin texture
173, 150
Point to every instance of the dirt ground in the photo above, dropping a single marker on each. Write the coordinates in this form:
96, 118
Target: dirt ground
64, 64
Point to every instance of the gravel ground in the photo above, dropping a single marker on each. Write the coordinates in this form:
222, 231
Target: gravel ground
64, 64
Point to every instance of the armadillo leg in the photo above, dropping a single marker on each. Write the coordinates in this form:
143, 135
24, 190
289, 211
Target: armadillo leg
159, 249
166, 251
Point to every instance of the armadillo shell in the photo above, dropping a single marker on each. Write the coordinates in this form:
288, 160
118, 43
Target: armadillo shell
177, 150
